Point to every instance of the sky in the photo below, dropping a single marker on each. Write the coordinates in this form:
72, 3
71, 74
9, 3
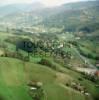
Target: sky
45, 2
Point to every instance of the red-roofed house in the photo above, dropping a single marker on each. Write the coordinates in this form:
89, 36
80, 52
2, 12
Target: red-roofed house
97, 73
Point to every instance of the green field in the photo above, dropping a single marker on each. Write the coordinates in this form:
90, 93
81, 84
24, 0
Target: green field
15, 74
49, 52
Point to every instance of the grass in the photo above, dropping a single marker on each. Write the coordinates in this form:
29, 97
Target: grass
12, 85
66, 94
15, 74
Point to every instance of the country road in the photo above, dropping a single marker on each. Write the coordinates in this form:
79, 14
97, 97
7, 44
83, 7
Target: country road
84, 59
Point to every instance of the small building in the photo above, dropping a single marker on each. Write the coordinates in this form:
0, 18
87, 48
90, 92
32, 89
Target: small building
97, 73
97, 65
35, 85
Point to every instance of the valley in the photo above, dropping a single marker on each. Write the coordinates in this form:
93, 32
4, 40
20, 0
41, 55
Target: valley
49, 53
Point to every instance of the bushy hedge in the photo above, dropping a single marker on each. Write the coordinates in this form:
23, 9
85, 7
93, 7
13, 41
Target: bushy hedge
48, 63
16, 55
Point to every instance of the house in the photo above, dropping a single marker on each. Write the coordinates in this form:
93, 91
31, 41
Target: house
97, 65
33, 88
97, 73
35, 85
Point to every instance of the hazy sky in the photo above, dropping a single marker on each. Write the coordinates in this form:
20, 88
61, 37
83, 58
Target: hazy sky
45, 2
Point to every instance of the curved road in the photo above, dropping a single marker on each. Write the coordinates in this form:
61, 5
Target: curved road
84, 59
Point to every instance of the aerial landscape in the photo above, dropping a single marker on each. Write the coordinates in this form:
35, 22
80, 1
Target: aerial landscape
49, 50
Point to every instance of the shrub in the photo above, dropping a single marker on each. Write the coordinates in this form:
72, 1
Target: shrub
48, 63
80, 79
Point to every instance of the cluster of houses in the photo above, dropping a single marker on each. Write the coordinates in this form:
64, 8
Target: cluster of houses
79, 87
35, 90
88, 71
35, 85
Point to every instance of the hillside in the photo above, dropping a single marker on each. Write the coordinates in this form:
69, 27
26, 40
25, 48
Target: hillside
54, 72
49, 53
15, 74
82, 16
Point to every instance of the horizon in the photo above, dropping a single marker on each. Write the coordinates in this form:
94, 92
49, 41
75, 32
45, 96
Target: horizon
47, 3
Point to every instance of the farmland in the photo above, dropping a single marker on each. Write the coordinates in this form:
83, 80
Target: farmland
53, 56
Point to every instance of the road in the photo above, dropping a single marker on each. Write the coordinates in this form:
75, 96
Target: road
84, 59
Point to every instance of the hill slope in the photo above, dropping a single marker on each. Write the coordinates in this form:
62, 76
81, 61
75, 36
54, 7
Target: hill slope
15, 74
